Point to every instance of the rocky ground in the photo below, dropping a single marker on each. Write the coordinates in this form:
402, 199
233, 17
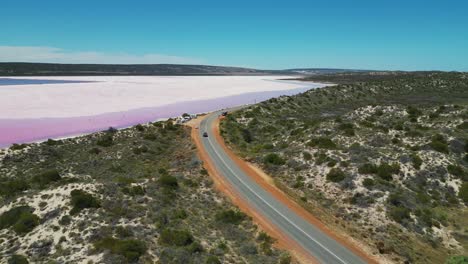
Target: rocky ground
137, 195
381, 158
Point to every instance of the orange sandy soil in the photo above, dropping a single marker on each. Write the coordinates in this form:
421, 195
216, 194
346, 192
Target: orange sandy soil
283, 241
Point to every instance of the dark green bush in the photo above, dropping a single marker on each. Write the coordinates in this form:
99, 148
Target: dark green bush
26, 223
18, 146
368, 168
140, 128
82, 200
274, 159
230, 217
168, 181
150, 136
385, 170
399, 213
212, 260
106, 140
18, 259
457, 260
463, 192
417, 161
9, 187
463, 125
47, 177
306, 155
131, 249
133, 190
336, 175
368, 183
439, 143
173, 237
322, 142
20, 218
456, 170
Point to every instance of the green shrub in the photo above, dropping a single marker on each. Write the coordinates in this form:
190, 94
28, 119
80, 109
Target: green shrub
368, 183
18, 146
173, 237
95, 151
399, 213
9, 187
463, 125
168, 182
322, 142
439, 143
212, 260
106, 140
47, 177
368, 168
230, 216
18, 259
306, 155
417, 161
140, 128
463, 192
150, 136
133, 190
385, 170
336, 175
457, 260
26, 223
81, 200
456, 170
274, 159
131, 249
20, 218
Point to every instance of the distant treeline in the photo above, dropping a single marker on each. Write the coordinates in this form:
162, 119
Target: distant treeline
54, 69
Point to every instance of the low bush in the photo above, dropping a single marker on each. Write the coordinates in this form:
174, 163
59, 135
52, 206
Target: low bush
47, 177
456, 170
11, 187
230, 217
20, 218
385, 170
168, 182
274, 159
439, 143
322, 142
18, 259
463, 192
417, 161
133, 190
106, 140
81, 200
336, 175
131, 249
173, 237
18, 146
368, 168
399, 213
306, 155
212, 260
368, 183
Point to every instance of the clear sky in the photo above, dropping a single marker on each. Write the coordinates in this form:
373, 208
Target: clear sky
365, 34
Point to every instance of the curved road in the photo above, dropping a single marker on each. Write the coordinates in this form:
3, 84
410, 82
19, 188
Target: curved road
322, 247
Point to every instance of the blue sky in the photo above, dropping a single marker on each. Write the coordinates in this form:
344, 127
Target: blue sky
378, 34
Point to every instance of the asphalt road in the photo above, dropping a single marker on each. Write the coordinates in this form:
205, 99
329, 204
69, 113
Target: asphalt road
324, 248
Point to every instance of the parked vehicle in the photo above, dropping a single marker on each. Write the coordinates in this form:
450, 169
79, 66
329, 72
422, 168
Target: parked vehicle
205, 134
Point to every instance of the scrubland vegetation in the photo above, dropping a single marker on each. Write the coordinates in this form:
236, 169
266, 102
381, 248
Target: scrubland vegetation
137, 195
381, 156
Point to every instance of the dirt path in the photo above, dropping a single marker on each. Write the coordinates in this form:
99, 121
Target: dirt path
282, 240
